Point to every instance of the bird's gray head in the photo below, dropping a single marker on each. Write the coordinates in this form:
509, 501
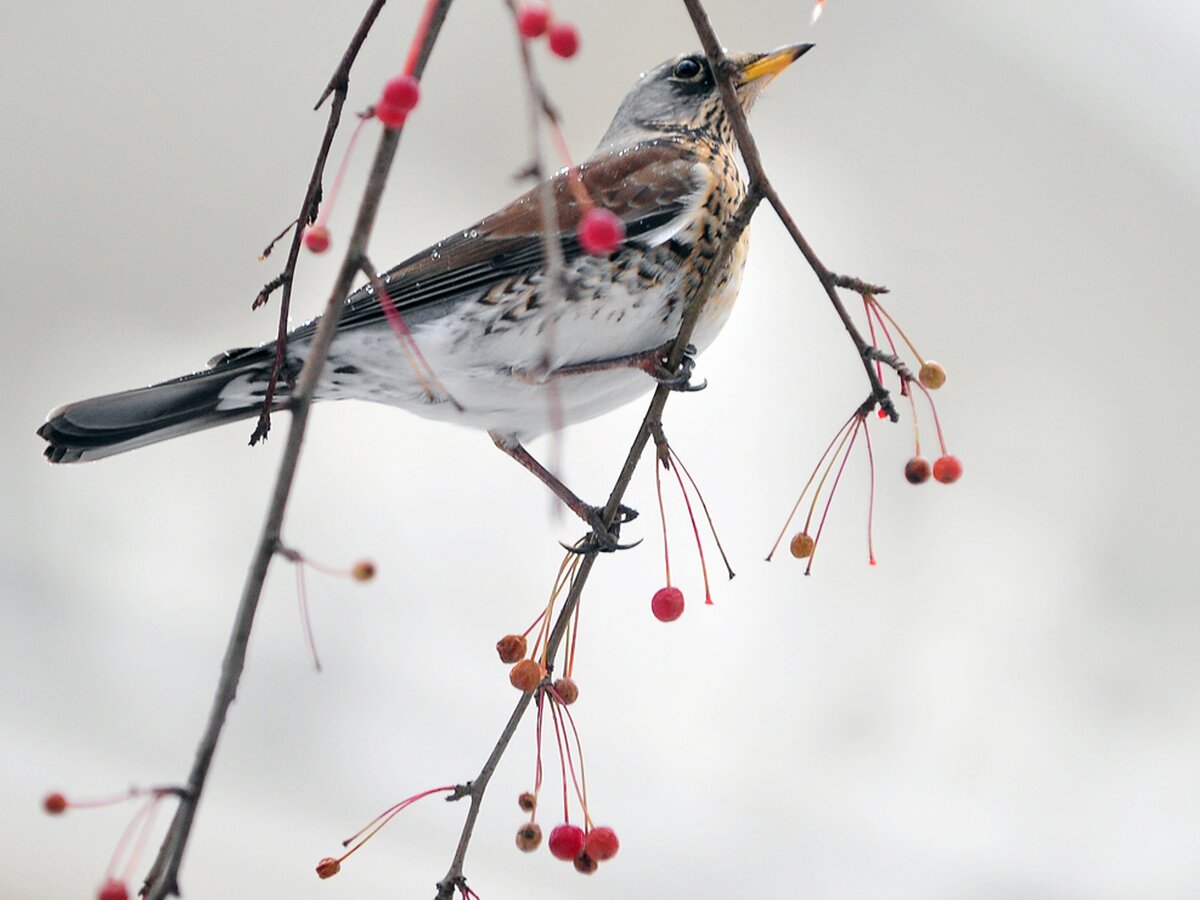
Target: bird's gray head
681, 95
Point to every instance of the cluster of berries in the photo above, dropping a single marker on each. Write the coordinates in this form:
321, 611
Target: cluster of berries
535, 19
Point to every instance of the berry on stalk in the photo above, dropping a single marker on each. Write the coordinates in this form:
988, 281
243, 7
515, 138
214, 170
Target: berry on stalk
567, 690
667, 604
328, 867
54, 803
511, 648
932, 375
802, 545
585, 864
529, 837
316, 238
947, 469
564, 40
533, 19
917, 470
527, 801
601, 231
601, 843
526, 675
113, 890
566, 841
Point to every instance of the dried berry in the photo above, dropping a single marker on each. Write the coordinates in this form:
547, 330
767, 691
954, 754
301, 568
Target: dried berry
917, 470
802, 545
328, 867
529, 837
511, 648
931, 375
525, 675
585, 864
567, 690
527, 802
54, 803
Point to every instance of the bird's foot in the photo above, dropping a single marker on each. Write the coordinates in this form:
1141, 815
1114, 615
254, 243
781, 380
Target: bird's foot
602, 539
681, 378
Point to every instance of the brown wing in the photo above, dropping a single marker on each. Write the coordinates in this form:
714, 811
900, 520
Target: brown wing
648, 186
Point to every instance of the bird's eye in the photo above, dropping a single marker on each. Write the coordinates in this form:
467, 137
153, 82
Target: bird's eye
687, 69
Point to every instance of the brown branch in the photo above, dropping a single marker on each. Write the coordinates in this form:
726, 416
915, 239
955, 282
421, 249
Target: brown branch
338, 85
758, 179
162, 880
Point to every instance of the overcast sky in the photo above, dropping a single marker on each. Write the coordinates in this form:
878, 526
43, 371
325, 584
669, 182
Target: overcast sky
1006, 706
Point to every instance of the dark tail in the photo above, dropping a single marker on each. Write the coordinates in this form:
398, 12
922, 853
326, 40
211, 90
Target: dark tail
114, 423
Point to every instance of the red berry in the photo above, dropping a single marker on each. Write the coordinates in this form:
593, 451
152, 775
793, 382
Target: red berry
54, 803
529, 837
328, 867
402, 92
601, 843
585, 864
525, 675
947, 469
882, 413
113, 890
566, 841
916, 470
390, 115
567, 690
601, 231
533, 19
564, 40
667, 604
511, 648
316, 238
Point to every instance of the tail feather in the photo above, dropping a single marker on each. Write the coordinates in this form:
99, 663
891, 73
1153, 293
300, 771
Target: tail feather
111, 424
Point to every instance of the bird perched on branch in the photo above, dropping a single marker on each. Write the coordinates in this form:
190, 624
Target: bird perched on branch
497, 343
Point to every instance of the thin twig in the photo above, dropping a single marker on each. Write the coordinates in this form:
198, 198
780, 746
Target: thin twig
337, 87
162, 880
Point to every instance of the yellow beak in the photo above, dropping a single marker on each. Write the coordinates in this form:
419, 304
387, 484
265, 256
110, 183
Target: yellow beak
771, 64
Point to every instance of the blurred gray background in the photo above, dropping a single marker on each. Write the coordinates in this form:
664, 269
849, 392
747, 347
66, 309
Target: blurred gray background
1005, 707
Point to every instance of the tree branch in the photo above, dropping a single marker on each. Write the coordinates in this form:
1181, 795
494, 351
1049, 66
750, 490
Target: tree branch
162, 880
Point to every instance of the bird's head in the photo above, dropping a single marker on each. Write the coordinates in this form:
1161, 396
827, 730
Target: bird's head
681, 95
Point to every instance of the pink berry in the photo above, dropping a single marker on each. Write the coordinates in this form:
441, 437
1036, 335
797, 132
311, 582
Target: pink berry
533, 20
564, 40
403, 92
566, 841
667, 604
113, 890
601, 843
947, 469
390, 115
316, 238
601, 231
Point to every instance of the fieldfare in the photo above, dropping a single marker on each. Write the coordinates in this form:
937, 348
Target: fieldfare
514, 351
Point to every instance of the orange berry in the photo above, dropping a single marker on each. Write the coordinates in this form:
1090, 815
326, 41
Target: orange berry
947, 469
529, 837
525, 675
931, 375
916, 470
567, 690
511, 648
364, 570
802, 545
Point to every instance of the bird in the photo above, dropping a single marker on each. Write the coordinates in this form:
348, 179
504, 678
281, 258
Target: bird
509, 347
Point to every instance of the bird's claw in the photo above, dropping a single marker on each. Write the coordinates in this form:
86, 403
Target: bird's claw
605, 540
681, 380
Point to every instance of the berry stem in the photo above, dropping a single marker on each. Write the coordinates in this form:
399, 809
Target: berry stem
418, 41
853, 435
305, 619
662, 514
373, 827
807, 485
936, 421
911, 346
711, 527
327, 204
581, 783
562, 757
695, 531
916, 420
874, 340
871, 496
